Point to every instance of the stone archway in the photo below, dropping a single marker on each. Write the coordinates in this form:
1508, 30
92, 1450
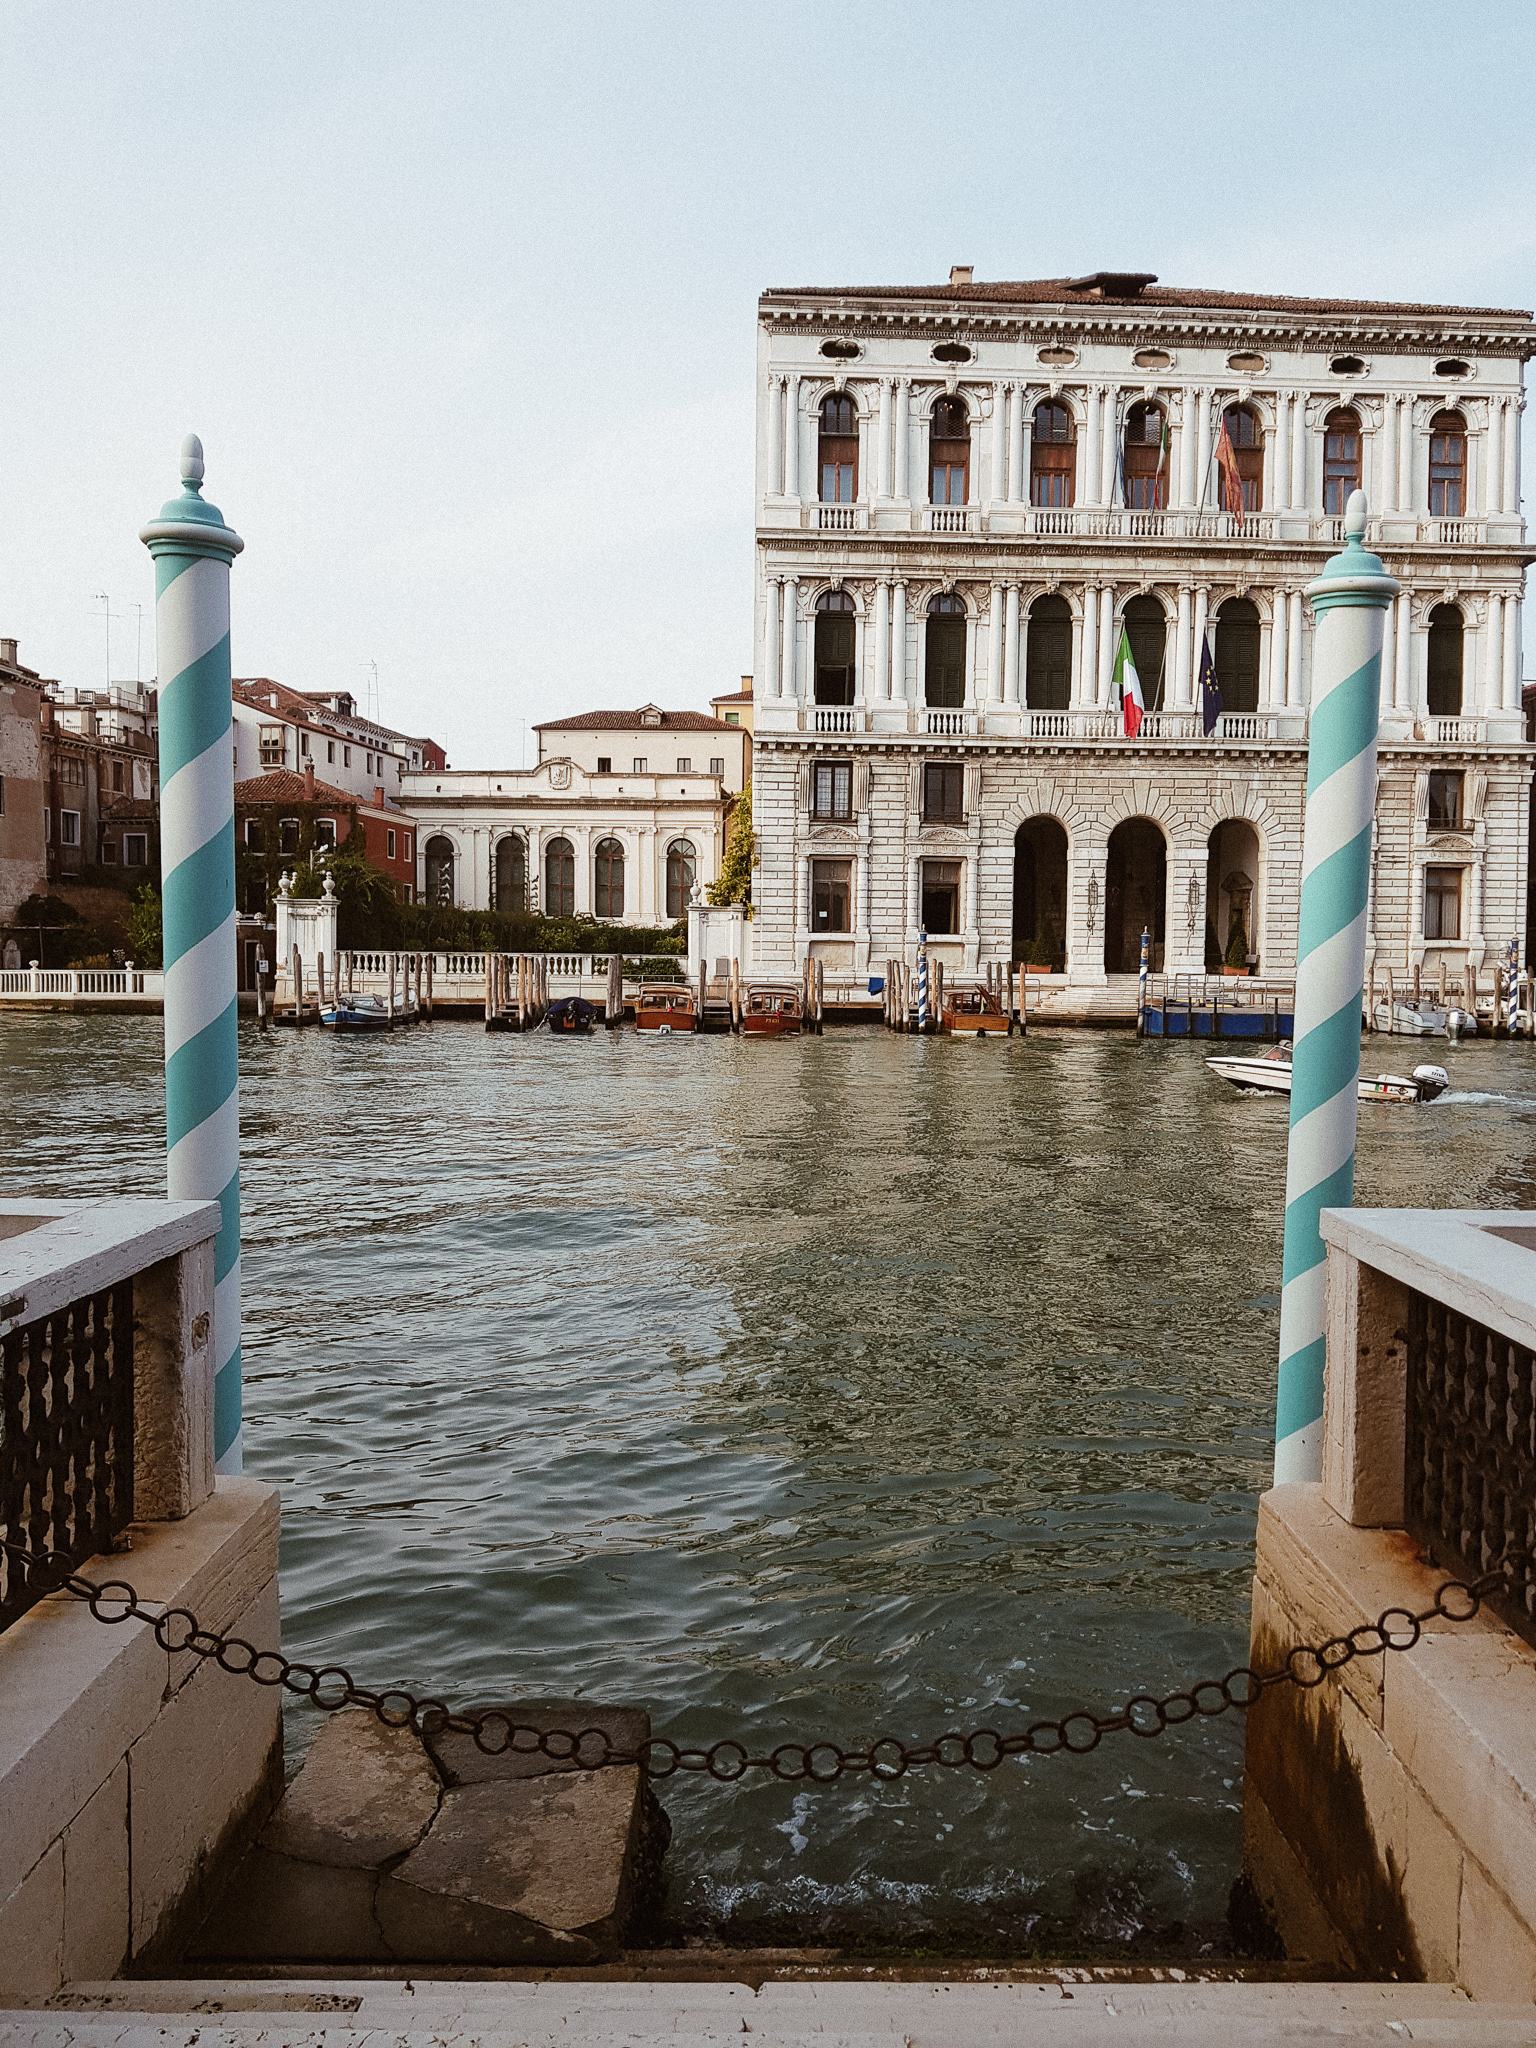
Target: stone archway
439, 856
1231, 891
1135, 895
1040, 894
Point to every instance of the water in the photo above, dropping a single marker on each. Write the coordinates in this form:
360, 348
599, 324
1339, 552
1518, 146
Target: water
834, 1387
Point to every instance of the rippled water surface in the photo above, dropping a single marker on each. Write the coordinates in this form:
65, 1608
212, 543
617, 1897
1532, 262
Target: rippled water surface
838, 1387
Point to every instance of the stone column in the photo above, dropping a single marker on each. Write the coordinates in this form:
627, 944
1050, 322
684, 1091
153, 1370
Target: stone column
899, 639
1018, 457
1490, 697
1090, 456
775, 465
1402, 684
1388, 659
999, 445
1493, 471
1085, 680
1512, 653
903, 437
1299, 501
1386, 495
1282, 463
1183, 680
1011, 651
1109, 442
1188, 435
1106, 641
1512, 412
772, 671
789, 686
1293, 653
1279, 622
1202, 496
883, 475
882, 687
791, 437
994, 693
1405, 501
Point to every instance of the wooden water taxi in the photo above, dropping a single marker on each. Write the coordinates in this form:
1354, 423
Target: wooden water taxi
773, 1012
974, 1012
665, 1007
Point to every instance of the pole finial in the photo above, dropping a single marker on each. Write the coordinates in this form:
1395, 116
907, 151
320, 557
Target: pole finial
192, 462
1354, 517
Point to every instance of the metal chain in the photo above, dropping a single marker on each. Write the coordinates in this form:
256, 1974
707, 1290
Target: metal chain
330, 1687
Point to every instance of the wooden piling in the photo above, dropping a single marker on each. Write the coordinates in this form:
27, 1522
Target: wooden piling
298, 987
1391, 1003
615, 1005
938, 997
820, 995
1416, 996
261, 990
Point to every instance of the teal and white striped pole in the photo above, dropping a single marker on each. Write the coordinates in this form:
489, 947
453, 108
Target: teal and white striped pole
922, 980
193, 550
1141, 983
1349, 602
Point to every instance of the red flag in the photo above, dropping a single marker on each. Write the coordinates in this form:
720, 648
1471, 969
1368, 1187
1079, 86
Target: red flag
1231, 482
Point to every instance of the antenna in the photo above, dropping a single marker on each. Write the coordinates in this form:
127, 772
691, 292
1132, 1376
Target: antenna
106, 625
373, 667
138, 646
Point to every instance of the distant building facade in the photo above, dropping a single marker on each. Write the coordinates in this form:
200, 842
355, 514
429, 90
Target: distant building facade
276, 727
101, 762
23, 865
650, 741
284, 818
967, 494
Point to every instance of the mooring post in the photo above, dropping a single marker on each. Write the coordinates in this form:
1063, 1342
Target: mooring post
1141, 982
261, 990
1349, 602
193, 551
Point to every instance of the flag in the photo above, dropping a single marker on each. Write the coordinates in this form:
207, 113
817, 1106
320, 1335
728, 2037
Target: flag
1160, 493
1210, 689
1231, 482
1129, 685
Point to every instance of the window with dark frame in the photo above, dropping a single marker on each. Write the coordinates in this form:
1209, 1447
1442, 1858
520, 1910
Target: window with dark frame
135, 849
1444, 656
717, 765
940, 894
831, 891
108, 852
1447, 466
1341, 458
944, 656
1247, 438
389, 845
1442, 903
288, 836
605, 764
1053, 455
837, 449
1146, 480
325, 832
943, 793
832, 789
835, 641
69, 828
685, 764
949, 452
682, 868
608, 879
1445, 787
559, 879
639, 767
1048, 655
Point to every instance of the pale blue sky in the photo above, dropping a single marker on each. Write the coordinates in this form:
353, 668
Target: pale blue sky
460, 298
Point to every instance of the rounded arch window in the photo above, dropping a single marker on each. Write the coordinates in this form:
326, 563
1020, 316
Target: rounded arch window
559, 879
438, 853
1341, 457
836, 638
608, 879
949, 450
1237, 654
511, 873
838, 449
1145, 461
1240, 455
1446, 637
682, 866
1052, 454
1448, 466
944, 659
1146, 630
1048, 655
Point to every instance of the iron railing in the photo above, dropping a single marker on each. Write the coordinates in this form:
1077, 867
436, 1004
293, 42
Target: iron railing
66, 1436
1470, 1482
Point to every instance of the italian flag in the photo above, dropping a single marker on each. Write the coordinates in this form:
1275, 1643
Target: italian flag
1162, 463
1129, 685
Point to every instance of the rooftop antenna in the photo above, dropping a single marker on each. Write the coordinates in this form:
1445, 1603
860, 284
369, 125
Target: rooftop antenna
373, 668
106, 626
138, 647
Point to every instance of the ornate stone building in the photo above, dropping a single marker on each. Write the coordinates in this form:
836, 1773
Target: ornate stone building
966, 493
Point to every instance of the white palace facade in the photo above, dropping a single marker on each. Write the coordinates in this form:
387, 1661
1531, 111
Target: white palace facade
965, 493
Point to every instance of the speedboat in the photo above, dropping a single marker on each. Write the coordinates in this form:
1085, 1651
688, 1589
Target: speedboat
1411, 1020
1270, 1074
356, 1013
665, 1007
571, 1013
775, 1011
974, 1010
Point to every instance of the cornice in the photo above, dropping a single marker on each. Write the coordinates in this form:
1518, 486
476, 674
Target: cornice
967, 556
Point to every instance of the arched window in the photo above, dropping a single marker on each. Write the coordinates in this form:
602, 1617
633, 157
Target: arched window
1448, 466
1145, 463
1445, 652
1048, 655
511, 873
682, 865
1146, 628
944, 668
949, 450
838, 449
835, 637
1247, 438
608, 879
1237, 654
559, 879
1341, 458
439, 858
1053, 455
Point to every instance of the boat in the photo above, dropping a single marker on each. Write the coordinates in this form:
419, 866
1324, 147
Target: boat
665, 1007
772, 1011
572, 1013
974, 1011
1270, 1074
1411, 1020
356, 1013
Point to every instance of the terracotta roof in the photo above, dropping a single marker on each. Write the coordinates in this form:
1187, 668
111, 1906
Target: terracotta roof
630, 721
130, 810
733, 697
309, 707
1059, 291
283, 786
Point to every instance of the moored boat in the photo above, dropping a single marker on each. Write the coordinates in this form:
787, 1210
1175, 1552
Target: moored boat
974, 1012
1270, 1074
572, 1014
356, 1013
665, 1007
772, 1011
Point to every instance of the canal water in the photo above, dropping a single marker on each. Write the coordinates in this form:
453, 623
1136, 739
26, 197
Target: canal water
854, 1386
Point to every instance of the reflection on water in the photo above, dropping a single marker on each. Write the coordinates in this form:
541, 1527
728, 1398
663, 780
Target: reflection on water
835, 1387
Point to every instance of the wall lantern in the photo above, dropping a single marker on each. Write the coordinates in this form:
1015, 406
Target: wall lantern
1093, 902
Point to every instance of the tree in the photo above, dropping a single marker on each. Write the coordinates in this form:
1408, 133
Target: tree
145, 931
735, 883
366, 911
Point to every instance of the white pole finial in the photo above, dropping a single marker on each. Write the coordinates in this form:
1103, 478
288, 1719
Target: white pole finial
1354, 516
191, 460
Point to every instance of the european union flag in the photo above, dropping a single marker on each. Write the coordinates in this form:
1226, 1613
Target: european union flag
1210, 689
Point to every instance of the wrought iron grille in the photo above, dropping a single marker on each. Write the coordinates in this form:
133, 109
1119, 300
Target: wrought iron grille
1471, 1470
66, 1437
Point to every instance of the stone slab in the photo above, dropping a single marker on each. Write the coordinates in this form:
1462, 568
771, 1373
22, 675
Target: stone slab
32, 1931
365, 1795
277, 1910
463, 1762
96, 1883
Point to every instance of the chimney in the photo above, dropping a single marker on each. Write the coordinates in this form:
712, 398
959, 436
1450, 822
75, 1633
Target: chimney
960, 273
8, 653
309, 782
378, 796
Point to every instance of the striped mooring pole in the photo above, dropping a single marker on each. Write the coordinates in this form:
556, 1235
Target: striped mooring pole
922, 981
193, 550
1349, 602
1141, 985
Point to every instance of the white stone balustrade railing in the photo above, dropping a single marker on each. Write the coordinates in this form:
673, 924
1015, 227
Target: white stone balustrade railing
835, 718
127, 983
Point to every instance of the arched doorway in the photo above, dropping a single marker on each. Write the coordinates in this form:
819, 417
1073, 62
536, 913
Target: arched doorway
1135, 895
511, 873
1146, 627
1040, 894
439, 877
1048, 655
944, 660
1231, 895
682, 868
1237, 654
559, 879
1445, 659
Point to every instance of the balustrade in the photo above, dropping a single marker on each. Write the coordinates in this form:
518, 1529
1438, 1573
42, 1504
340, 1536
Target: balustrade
833, 718
948, 519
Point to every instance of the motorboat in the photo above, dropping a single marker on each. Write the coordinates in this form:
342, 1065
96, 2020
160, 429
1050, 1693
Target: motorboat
1269, 1073
572, 1014
773, 1011
1411, 1020
666, 1007
974, 1012
356, 1013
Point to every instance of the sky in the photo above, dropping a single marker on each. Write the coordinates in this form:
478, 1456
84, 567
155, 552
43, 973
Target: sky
461, 299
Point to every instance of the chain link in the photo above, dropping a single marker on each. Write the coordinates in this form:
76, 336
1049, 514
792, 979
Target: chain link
331, 1687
